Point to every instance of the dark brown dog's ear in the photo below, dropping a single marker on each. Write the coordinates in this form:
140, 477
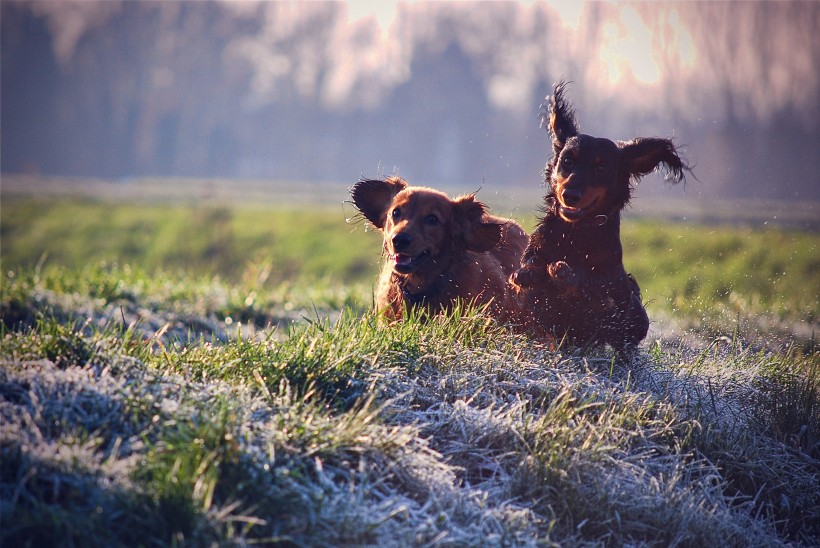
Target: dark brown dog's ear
641, 156
477, 232
372, 197
560, 119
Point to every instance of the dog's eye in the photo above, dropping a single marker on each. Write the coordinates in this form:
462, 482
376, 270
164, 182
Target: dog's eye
431, 220
566, 161
396, 214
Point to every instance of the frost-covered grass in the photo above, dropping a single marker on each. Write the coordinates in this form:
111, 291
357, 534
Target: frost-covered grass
131, 412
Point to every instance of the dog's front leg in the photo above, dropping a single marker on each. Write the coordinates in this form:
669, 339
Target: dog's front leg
566, 278
526, 276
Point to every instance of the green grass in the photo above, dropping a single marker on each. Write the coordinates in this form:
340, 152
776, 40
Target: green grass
210, 239
719, 273
175, 374
701, 275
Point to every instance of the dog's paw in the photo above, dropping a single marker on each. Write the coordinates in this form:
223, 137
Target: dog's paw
563, 275
523, 277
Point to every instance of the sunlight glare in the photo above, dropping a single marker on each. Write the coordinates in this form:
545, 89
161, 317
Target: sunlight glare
626, 47
569, 11
382, 12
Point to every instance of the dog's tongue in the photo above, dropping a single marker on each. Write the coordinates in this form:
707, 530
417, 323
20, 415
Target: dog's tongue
403, 260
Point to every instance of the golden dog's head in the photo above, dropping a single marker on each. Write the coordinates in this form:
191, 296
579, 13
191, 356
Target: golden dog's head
422, 227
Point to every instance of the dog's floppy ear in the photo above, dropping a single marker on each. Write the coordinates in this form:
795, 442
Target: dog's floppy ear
372, 197
641, 156
477, 232
559, 119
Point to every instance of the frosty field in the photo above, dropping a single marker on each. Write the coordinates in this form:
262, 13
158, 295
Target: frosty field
191, 371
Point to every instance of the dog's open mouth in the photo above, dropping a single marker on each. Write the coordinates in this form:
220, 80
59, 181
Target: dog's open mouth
573, 214
406, 264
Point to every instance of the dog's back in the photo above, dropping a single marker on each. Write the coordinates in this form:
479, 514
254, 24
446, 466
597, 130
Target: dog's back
511, 246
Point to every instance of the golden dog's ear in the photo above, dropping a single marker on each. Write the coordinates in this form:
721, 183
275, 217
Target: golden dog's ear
477, 232
372, 197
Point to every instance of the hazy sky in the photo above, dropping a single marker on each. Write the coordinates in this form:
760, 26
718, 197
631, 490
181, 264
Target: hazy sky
693, 56
440, 90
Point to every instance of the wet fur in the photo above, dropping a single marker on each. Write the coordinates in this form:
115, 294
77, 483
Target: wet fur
572, 282
439, 250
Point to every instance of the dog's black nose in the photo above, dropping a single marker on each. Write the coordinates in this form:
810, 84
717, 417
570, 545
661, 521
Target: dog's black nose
401, 241
571, 197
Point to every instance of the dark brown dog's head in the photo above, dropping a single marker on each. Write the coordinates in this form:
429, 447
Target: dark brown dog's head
423, 227
590, 176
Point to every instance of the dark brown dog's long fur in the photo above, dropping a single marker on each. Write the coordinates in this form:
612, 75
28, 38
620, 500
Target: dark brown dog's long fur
572, 282
439, 250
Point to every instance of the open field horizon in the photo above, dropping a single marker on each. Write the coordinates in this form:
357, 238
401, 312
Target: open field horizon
698, 264
653, 199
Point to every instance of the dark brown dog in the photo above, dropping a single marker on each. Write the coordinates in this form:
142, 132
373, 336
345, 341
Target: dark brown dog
439, 250
572, 281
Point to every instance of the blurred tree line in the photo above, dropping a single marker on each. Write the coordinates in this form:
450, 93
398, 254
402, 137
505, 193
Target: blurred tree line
298, 92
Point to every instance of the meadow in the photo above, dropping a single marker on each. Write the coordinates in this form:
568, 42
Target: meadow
199, 371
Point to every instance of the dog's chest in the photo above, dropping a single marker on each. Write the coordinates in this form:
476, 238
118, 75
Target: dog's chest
581, 246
